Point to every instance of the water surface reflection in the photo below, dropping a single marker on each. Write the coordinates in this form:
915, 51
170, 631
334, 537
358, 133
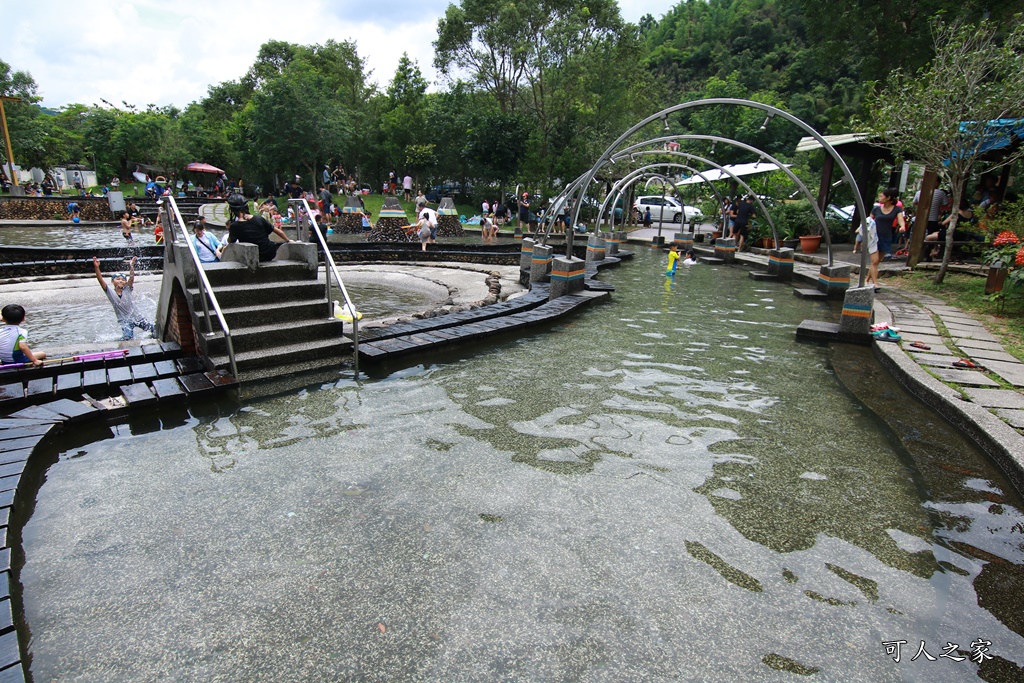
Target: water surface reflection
665, 487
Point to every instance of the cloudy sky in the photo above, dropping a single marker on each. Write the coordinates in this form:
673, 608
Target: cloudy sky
168, 51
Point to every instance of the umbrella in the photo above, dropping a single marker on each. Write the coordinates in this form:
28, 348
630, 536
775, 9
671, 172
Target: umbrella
197, 167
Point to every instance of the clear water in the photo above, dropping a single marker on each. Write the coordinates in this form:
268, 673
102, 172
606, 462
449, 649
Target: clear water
68, 235
106, 236
77, 312
665, 487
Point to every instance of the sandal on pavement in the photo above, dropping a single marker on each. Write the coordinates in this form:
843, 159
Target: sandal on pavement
964, 363
888, 335
920, 345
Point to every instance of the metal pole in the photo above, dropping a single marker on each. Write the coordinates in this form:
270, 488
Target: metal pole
7, 136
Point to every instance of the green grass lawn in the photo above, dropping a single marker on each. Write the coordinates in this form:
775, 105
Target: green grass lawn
1005, 318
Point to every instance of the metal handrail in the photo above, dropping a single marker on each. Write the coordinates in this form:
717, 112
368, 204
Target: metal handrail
205, 288
304, 214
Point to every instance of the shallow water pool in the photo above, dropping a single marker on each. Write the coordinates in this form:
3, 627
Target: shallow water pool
665, 487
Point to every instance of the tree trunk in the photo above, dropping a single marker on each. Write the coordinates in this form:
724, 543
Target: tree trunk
954, 218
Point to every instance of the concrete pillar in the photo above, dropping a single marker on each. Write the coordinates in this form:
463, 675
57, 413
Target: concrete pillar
683, 241
725, 249
595, 248
658, 241
857, 305
611, 244
304, 252
566, 276
780, 264
541, 265
834, 280
517, 234
526, 254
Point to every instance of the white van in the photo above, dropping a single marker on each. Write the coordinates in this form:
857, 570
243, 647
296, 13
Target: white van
666, 209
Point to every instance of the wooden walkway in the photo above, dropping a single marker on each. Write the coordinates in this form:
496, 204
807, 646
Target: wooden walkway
532, 308
142, 376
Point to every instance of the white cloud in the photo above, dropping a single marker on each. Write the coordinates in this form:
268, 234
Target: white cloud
158, 52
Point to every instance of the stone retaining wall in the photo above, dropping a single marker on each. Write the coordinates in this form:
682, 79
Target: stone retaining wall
51, 208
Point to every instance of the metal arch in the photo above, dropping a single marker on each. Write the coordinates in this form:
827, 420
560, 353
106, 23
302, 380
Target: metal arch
772, 112
631, 177
750, 190
742, 145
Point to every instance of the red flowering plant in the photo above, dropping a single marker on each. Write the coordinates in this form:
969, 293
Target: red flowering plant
1006, 228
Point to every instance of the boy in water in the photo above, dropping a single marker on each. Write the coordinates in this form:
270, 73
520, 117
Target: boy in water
673, 260
119, 292
14, 339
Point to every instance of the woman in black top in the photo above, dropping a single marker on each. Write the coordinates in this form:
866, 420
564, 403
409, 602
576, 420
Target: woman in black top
244, 227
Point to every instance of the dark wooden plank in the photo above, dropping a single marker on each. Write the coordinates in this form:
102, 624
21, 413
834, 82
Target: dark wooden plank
190, 365
38, 413
70, 409
195, 382
168, 387
166, 368
135, 354
9, 484
70, 382
40, 386
9, 653
19, 455
29, 429
171, 348
121, 375
12, 392
221, 378
143, 371
138, 394
13, 674
12, 469
93, 379
6, 617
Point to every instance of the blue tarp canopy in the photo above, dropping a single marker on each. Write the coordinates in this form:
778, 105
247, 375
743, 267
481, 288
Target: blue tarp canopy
995, 134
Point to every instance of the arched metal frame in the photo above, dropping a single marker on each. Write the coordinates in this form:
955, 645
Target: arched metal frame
636, 174
718, 195
763, 155
662, 116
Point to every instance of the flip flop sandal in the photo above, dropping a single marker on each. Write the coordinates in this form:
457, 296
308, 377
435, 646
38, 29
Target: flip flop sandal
964, 363
920, 345
887, 336
877, 327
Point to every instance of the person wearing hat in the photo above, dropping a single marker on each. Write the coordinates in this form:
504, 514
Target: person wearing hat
244, 227
524, 209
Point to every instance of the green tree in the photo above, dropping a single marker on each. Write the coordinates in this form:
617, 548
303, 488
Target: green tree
404, 115
877, 36
293, 121
942, 115
27, 136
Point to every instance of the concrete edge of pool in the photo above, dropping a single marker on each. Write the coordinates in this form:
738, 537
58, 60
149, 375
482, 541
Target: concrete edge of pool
22, 431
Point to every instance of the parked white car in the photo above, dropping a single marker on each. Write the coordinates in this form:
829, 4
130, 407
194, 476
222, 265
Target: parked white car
666, 209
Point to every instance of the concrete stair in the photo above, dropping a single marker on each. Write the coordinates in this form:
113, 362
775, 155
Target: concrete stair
279, 318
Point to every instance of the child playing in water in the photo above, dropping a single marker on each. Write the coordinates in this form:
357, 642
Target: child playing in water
673, 260
119, 292
14, 339
691, 259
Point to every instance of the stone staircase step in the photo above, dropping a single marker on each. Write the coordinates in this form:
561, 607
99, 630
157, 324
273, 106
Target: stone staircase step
303, 355
228, 273
254, 294
269, 337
